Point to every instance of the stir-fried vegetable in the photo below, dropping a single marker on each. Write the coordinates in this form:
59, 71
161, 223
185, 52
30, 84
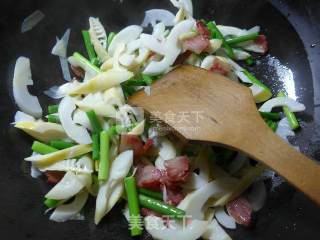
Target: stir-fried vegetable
42, 148
294, 124
90, 50
60, 144
104, 163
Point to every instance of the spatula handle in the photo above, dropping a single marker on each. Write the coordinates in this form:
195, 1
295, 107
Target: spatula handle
296, 168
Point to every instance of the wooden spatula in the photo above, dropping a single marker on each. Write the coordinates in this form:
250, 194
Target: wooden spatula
203, 106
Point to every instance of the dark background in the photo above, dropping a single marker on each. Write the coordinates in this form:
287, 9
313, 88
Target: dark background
293, 31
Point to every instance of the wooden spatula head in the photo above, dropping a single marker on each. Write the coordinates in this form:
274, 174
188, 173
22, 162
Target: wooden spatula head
200, 105
204, 106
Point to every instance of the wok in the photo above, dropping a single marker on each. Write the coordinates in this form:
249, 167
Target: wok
292, 29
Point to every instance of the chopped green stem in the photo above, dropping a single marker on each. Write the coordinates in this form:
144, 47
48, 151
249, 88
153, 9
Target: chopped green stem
53, 118
149, 193
51, 203
53, 109
95, 146
215, 33
94, 121
86, 62
87, 42
253, 79
273, 125
250, 61
42, 148
133, 204
244, 38
60, 144
160, 207
110, 37
104, 162
118, 129
293, 122
271, 116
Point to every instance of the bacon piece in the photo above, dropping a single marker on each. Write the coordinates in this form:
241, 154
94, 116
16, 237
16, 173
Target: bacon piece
202, 29
131, 142
148, 145
174, 195
241, 210
220, 67
148, 177
261, 41
53, 177
196, 44
77, 71
176, 171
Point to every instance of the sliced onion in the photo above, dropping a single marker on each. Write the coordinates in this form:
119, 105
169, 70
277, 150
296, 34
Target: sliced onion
114, 96
69, 211
68, 186
23, 117
121, 165
31, 21
186, 5
167, 151
34, 171
284, 130
75, 132
280, 102
80, 117
207, 62
159, 30
193, 203
194, 182
171, 48
158, 15
60, 48
125, 36
152, 43
258, 195
21, 79
224, 219
215, 232
139, 129
234, 31
155, 226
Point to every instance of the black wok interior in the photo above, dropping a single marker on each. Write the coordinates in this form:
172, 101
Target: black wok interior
293, 31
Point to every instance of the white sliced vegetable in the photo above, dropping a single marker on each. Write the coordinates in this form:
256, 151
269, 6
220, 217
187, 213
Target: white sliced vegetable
215, 44
171, 48
99, 31
186, 5
31, 21
258, 195
90, 72
86, 178
224, 219
280, 102
127, 60
110, 191
21, 79
68, 211
71, 165
80, 117
236, 32
139, 129
215, 232
23, 117
207, 62
152, 43
103, 81
48, 159
157, 229
194, 202
65, 68
159, 30
60, 48
194, 182
240, 55
116, 56
284, 130
127, 115
100, 107
114, 96
43, 131
125, 36
98, 38
74, 131
167, 151
158, 15
34, 171
68, 186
